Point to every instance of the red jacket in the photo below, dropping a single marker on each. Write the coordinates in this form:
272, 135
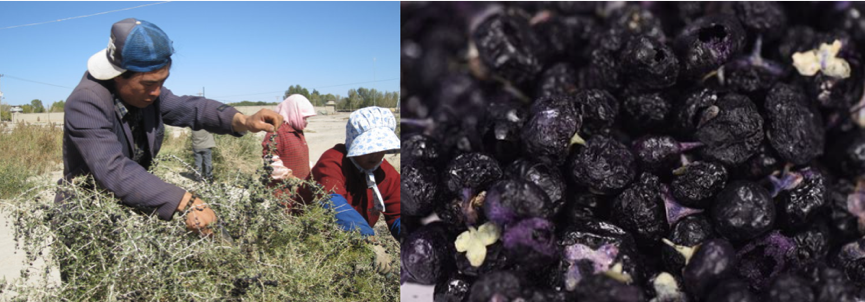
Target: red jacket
338, 175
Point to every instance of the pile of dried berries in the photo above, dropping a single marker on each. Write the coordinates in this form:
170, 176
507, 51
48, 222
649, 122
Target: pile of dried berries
653, 151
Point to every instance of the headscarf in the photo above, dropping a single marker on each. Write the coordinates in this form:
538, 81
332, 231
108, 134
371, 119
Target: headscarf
370, 130
293, 109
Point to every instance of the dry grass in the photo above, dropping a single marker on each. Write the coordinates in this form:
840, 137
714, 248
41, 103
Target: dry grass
25, 151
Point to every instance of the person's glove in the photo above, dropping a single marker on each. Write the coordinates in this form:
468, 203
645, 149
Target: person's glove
200, 218
382, 260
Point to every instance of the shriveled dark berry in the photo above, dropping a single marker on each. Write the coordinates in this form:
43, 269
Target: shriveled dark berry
598, 288
708, 43
423, 186
421, 148
503, 285
812, 243
847, 153
790, 288
503, 128
474, 171
426, 256
453, 289
696, 184
646, 111
509, 47
635, 20
731, 130
510, 200
797, 207
714, 260
659, 154
759, 18
794, 129
598, 108
532, 241
603, 165
691, 231
732, 290
544, 176
649, 63
742, 210
689, 111
553, 121
640, 210
559, 79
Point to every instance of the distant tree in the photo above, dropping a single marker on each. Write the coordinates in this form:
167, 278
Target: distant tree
37, 106
5, 113
57, 106
26, 109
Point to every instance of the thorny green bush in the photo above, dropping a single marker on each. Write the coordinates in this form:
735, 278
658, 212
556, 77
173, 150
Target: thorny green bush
111, 252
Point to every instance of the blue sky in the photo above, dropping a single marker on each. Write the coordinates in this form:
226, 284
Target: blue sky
235, 50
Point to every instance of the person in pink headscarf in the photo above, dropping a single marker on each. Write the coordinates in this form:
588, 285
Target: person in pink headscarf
291, 157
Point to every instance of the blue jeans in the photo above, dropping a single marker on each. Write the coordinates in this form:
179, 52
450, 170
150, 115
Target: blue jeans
204, 156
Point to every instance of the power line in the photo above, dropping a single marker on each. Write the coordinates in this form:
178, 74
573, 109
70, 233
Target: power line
37, 82
85, 16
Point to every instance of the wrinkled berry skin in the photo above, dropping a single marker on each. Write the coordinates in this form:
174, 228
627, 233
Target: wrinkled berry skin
742, 211
598, 109
812, 243
687, 114
560, 79
510, 200
714, 261
794, 130
689, 231
797, 207
552, 122
732, 290
708, 43
423, 185
657, 154
765, 19
698, 184
509, 47
503, 285
733, 134
544, 176
426, 255
640, 210
647, 111
598, 288
419, 147
471, 171
503, 128
603, 165
595, 233
789, 288
649, 63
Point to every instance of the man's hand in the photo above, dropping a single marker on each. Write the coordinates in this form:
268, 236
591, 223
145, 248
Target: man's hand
263, 120
200, 216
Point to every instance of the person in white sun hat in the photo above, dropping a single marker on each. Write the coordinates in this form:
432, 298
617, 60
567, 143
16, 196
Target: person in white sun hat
361, 183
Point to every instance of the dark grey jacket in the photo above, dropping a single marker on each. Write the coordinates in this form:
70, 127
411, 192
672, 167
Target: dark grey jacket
97, 142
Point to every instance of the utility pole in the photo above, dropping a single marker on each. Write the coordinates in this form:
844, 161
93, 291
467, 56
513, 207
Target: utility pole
1, 103
373, 82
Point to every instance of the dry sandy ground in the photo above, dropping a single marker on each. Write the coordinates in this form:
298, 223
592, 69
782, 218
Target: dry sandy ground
322, 133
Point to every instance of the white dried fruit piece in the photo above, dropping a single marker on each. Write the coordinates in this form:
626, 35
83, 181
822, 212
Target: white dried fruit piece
685, 251
475, 241
666, 288
823, 60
